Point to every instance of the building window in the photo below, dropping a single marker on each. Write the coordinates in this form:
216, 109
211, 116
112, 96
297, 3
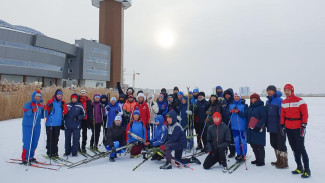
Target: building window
97, 60
97, 72
70, 61
30, 64
69, 70
100, 51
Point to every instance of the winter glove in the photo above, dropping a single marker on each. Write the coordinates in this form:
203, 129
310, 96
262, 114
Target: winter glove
283, 130
34, 109
179, 118
162, 147
208, 113
108, 108
232, 110
152, 104
303, 129
75, 118
116, 111
189, 112
50, 106
236, 111
113, 150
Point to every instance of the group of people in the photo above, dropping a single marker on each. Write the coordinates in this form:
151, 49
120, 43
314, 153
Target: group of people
223, 125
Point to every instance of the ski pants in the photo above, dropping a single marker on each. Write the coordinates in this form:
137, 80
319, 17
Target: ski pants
104, 125
75, 134
240, 141
52, 140
259, 153
198, 130
178, 153
231, 147
278, 142
84, 128
95, 134
27, 137
297, 144
218, 156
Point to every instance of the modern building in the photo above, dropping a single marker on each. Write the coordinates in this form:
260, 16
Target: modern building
244, 91
27, 55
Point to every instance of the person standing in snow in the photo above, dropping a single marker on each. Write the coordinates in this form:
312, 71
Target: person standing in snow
31, 125
88, 119
200, 112
256, 135
183, 112
57, 108
143, 107
278, 141
99, 112
176, 141
72, 125
294, 118
112, 110
238, 121
218, 138
115, 138
154, 109
104, 103
228, 96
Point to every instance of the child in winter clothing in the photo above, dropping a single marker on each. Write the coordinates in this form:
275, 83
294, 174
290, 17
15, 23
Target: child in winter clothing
31, 124
99, 112
72, 125
115, 138
163, 106
137, 127
238, 122
218, 138
57, 108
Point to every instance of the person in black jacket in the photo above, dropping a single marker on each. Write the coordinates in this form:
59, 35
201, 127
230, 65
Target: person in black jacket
218, 138
115, 138
200, 113
72, 125
228, 99
129, 91
256, 135
172, 104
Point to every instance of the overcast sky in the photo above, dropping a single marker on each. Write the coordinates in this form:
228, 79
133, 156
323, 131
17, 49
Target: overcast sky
231, 43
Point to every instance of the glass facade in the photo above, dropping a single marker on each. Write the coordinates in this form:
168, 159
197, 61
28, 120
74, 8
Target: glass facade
97, 72
97, 60
31, 48
97, 50
30, 64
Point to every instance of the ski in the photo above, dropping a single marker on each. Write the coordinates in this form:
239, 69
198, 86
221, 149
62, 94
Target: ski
32, 165
84, 154
58, 160
151, 153
95, 151
38, 162
195, 155
236, 165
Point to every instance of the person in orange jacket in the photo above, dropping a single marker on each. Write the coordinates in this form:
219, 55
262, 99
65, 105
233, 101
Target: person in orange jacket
294, 118
128, 108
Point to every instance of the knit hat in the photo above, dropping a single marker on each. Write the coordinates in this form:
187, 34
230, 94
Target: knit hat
213, 95
121, 95
74, 95
180, 93
141, 95
38, 93
255, 95
83, 92
196, 90
113, 99
161, 96
271, 87
237, 94
163, 90
202, 94
136, 112
118, 118
190, 93
176, 88
97, 96
289, 87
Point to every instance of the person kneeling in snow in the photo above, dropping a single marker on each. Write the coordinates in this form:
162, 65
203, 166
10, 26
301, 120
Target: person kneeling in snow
176, 141
115, 138
159, 137
218, 139
33, 112
137, 127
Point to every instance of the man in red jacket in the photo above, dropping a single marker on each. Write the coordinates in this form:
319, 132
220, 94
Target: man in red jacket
294, 117
143, 107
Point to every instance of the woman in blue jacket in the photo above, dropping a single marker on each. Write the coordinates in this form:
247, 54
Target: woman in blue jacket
113, 109
256, 136
238, 122
33, 113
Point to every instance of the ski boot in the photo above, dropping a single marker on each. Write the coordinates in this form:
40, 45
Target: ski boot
32, 160
299, 170
66, 154
225, 170
74, 155
306, 173
166, 166
239, 158
195, 160
111, 159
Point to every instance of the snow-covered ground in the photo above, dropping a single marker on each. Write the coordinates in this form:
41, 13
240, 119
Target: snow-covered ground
104, 171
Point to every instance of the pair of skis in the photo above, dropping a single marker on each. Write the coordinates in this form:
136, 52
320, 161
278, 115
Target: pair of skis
36, 164
236, 165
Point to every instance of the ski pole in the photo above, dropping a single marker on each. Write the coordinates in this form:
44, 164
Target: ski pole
31, 137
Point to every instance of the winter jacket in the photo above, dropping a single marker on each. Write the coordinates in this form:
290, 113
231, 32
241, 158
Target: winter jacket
213, 107
153, 108
144, 112
111, 112
138, 128
218, 136
273, 111
74, 116
99, 112
163, 108
176, 134
106, 102
239, 120
115, 133
172, 106
120, 91
257, 110
225, 105
182, 108
88, 107
56, 113
294, 111
129, 107
28, 118
219, 94
160, 134
201, 109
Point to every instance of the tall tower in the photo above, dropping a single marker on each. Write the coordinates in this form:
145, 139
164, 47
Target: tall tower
111, 24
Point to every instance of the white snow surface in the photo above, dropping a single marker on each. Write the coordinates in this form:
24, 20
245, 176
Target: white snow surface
121, 171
